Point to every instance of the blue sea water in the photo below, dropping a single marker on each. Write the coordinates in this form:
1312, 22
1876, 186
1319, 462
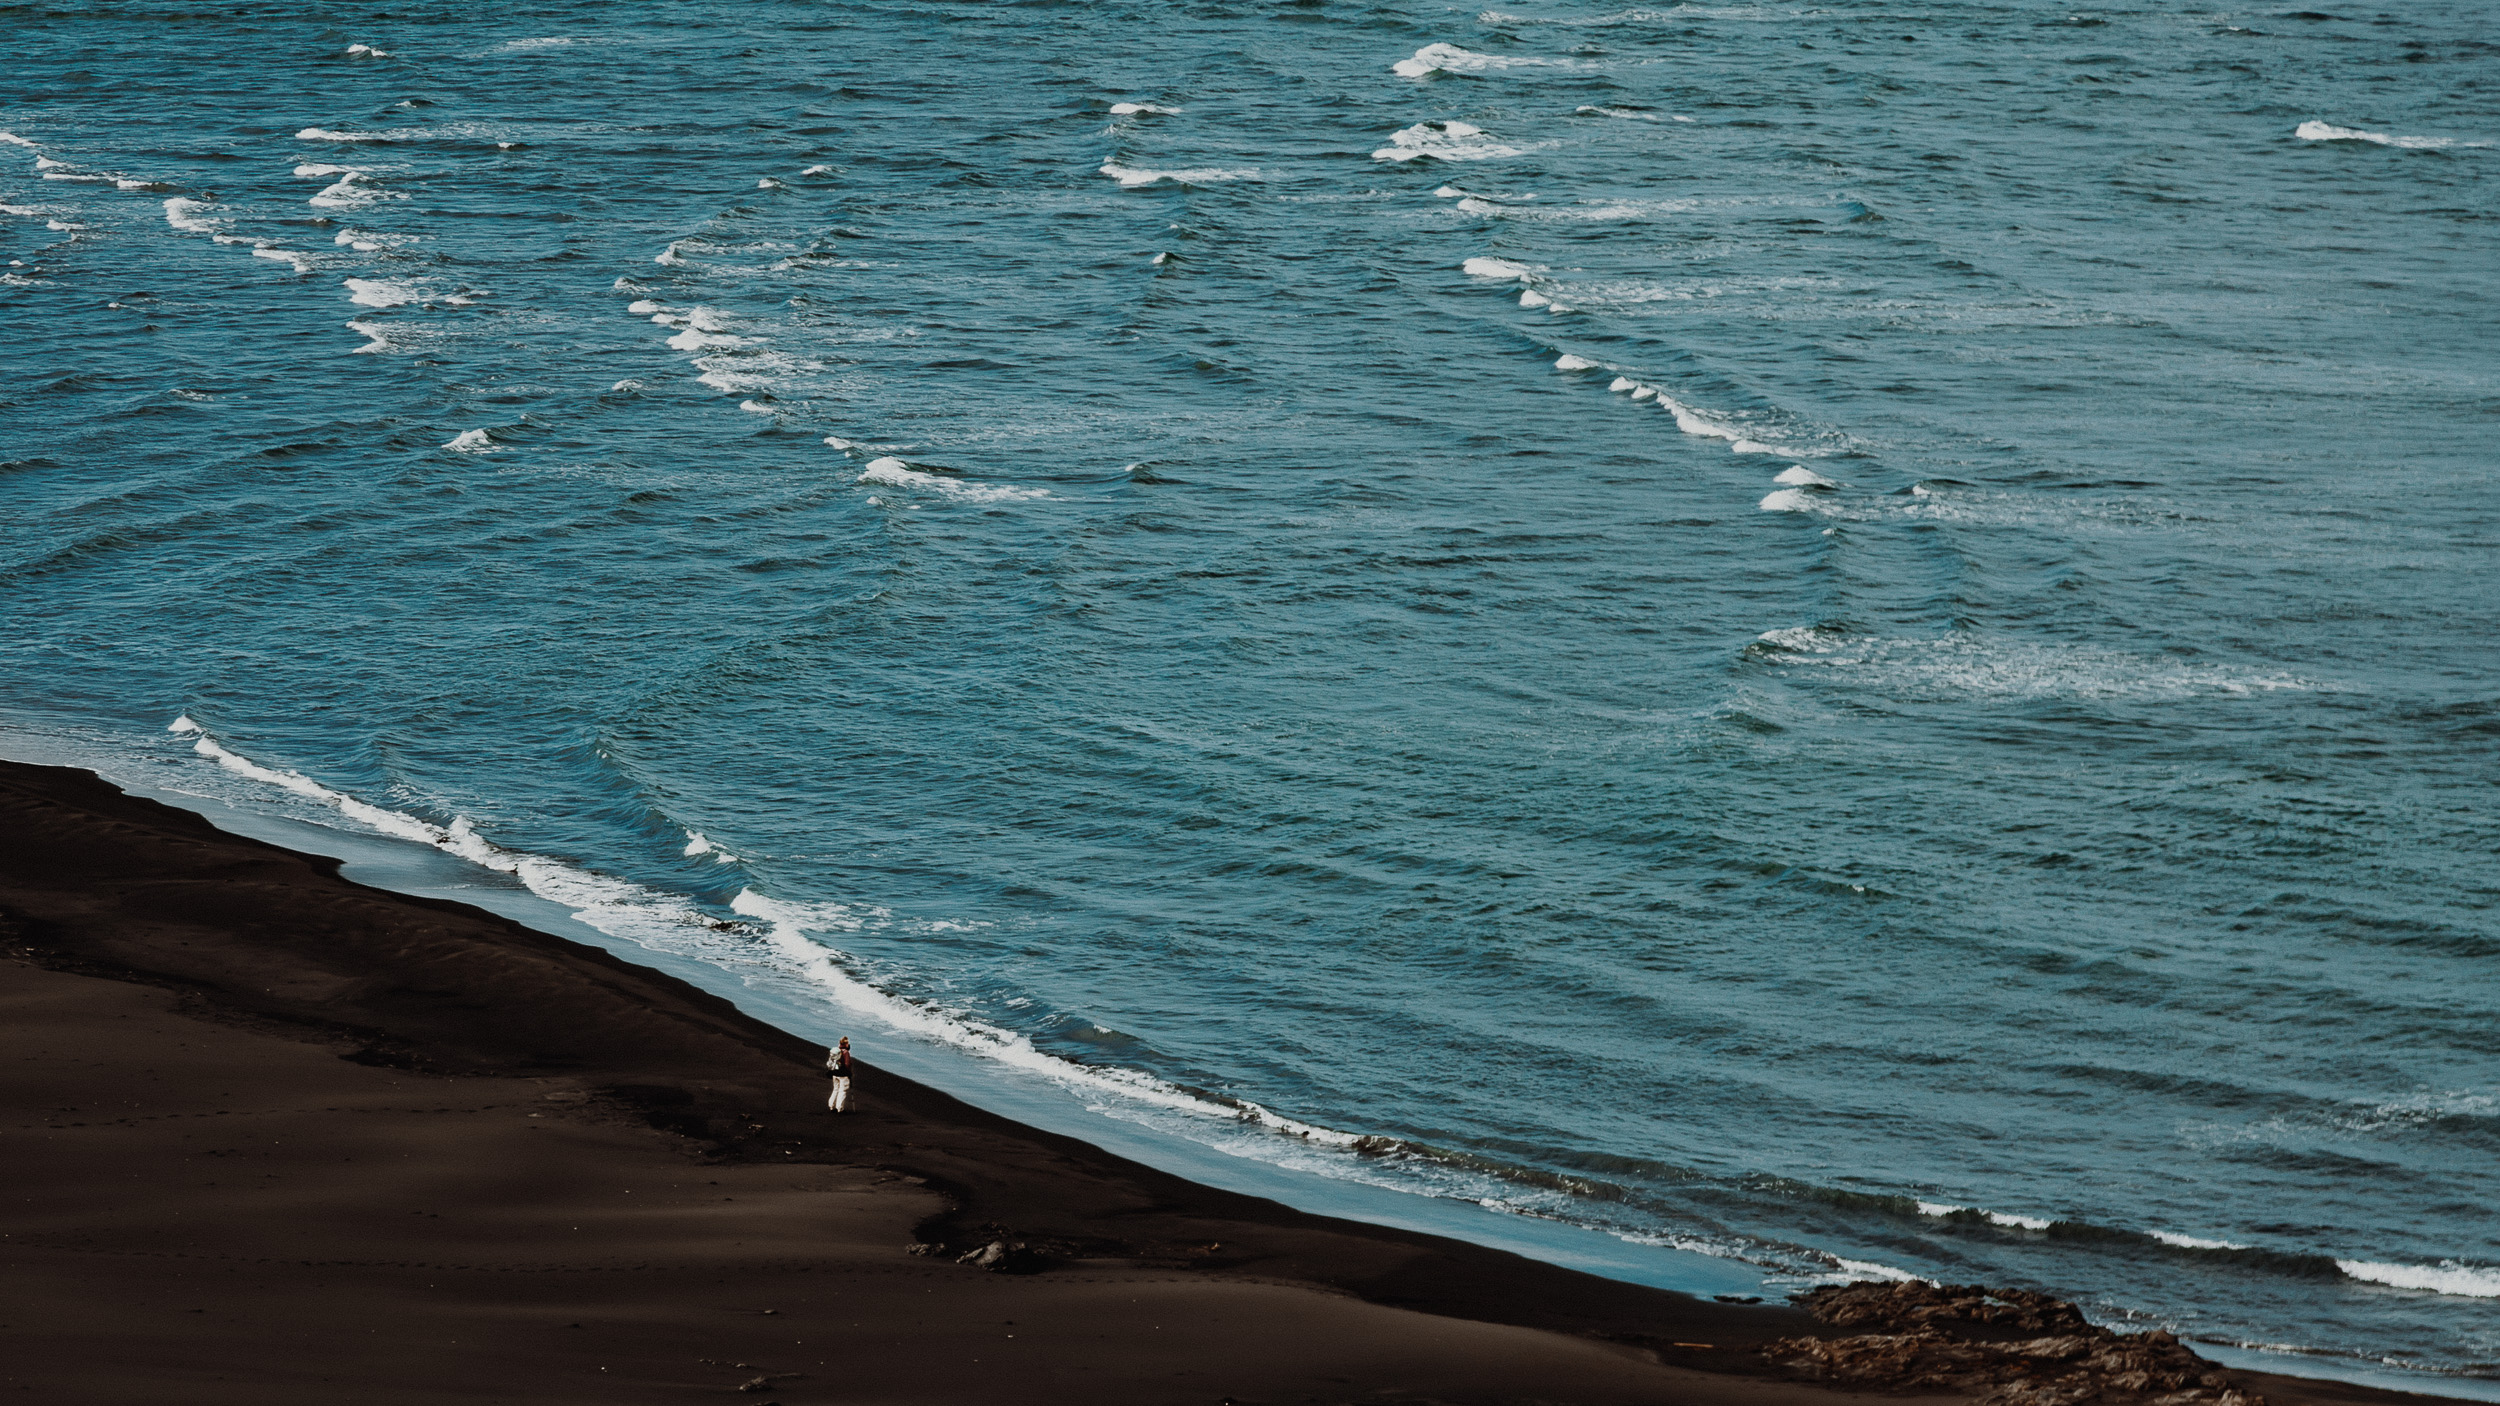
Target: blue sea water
1856, 637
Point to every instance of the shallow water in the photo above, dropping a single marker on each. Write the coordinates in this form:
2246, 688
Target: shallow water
1739, 625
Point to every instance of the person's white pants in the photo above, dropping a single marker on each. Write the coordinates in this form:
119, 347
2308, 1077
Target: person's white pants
840, 1102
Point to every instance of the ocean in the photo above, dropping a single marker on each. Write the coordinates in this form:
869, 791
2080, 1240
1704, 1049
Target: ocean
1856, 639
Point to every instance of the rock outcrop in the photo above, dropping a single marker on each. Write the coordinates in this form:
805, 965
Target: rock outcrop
2008, 1347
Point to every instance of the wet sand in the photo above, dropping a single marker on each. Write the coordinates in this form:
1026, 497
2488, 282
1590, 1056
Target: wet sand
273, 1136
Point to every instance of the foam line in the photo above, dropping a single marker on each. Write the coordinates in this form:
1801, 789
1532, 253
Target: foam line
1449, 58
185, 215
1132, 176
895, 473
667, 922
2192, 1242
382, 292
1932, 1208
301, 262
697, 846
1444, 141
2447, 1277
2314, 131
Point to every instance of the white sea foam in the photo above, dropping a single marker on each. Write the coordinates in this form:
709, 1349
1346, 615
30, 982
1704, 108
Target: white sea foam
1799, 476
817, 171
1190, 176
1969, 665
670, 256
664, 922
1933, 1208
383, 292
1449, 58
642, 307
768, 183
2314, 131
788, 924
1698, 423
1788, 500
62, 226
725, 376
396, 134
471, 442
2193, 1242
388, 822
2447, 1277
366, 241
25, 210
895, 473
1868, 1269
184, 214
1483, 266
614, 906
52, 170
1568, 362
324, 168
351, 189
757, 407
134, 183
1444, 141
697, 339
697, 847
1706, 424
300, 261
367, 51
839, 442
13, 139
1530, 298
1131, 109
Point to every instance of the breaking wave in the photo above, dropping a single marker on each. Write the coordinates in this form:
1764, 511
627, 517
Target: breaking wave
2314, 131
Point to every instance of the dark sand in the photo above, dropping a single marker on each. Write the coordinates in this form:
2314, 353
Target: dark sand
272, 1137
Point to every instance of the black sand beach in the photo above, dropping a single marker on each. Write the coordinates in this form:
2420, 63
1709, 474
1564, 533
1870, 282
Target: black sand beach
275, 1137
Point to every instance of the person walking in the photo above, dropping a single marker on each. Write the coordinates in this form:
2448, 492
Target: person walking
838, 1059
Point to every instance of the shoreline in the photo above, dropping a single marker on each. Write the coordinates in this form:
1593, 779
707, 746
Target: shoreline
272, 948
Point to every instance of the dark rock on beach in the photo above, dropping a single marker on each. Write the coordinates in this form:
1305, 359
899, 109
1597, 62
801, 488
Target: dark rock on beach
2008, 1347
